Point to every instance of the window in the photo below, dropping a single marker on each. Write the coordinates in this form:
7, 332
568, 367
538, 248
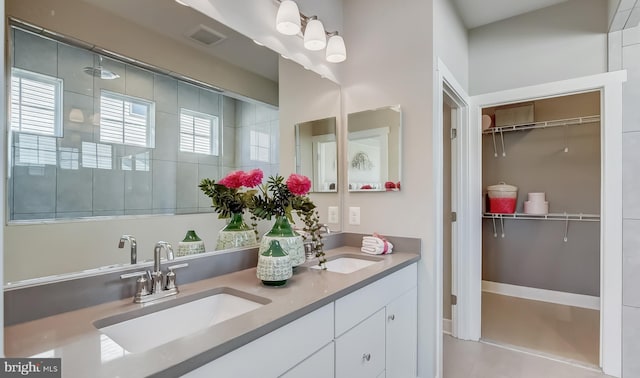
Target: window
137, 162
35, 150
126, 120
69, 158
36, 103
259, 146
198, 132
96, 155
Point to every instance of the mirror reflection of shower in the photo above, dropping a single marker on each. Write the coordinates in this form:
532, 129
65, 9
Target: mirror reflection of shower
100, 71
316, 153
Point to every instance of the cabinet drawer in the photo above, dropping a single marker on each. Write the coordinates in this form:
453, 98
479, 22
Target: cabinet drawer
353, 308
361, 351
318, 365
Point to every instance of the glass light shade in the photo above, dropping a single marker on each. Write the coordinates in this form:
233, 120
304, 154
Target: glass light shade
288, 18
314, 36
336, 51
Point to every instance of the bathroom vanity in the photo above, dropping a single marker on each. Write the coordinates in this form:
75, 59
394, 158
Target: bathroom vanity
361, 323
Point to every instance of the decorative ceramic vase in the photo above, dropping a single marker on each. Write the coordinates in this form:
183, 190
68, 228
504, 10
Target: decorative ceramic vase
236, 234
191, 244
289, 240
274, 265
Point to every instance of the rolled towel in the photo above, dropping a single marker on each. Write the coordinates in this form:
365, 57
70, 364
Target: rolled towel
376, 245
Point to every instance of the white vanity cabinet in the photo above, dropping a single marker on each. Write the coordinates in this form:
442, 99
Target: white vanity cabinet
370, 332
376, 328
274, 353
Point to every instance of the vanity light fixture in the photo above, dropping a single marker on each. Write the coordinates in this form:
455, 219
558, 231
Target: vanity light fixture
288, 18
290, 21
336, 51
314, 35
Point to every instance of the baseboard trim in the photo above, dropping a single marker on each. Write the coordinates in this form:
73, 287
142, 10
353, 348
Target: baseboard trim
446, 326
558, 297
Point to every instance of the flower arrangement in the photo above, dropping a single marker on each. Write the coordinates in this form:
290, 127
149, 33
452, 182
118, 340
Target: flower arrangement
228, 196
280, 198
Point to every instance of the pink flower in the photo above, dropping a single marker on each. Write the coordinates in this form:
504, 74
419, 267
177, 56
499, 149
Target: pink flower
252, 178
232, 180
298, 184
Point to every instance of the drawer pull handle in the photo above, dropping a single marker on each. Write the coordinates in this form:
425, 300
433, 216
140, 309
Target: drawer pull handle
392, 317
366, 357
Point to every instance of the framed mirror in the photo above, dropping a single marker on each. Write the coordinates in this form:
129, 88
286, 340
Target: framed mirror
373, 150
317, 153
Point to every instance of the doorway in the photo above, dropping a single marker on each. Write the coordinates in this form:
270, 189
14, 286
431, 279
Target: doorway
610, 258
541, 229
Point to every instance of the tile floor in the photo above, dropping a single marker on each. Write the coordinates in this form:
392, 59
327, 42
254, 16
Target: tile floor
564, 332
470, 359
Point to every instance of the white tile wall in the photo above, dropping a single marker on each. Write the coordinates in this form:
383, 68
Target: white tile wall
630, 344
631, 89
35, 54
630, 176
631, 204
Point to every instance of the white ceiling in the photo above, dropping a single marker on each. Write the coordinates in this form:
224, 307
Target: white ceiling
476, 13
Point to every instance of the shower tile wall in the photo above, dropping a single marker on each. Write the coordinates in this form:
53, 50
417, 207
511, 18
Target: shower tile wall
136, 180
626, 48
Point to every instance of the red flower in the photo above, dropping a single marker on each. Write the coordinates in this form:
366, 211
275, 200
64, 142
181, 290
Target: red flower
298, 184
389, 185
233, 180
252, 178
366, 186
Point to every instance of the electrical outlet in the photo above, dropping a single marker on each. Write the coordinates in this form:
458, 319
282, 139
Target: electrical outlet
332, 216
354, 215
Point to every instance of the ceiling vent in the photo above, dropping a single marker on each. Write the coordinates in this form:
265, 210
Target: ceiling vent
205, 35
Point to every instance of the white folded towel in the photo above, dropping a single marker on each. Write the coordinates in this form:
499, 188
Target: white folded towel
376, 245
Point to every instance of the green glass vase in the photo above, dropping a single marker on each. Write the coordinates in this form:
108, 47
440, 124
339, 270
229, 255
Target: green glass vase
274, 265
290, 241
236, 234
190, 245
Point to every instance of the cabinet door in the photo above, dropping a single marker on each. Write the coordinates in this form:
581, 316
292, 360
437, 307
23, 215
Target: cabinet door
318, 365
360, 351
402, 342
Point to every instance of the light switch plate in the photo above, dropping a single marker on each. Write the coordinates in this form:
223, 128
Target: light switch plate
354, 215
332, 215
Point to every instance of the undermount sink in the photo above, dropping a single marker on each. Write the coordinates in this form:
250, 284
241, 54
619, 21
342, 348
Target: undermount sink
349, 263
158, 324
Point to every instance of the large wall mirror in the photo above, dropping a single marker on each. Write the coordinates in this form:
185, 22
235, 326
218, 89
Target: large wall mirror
317, 153
373, 149
75, 189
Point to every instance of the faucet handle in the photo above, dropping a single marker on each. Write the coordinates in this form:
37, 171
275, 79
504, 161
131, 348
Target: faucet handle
171, 276
141, 284
140, 273
177, 266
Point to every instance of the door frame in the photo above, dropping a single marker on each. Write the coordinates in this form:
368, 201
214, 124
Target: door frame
445, 81
470, 263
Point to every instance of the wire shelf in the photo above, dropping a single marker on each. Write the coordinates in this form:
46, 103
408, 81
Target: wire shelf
543, 124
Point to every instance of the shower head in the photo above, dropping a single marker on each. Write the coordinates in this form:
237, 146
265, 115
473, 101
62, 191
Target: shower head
100, 72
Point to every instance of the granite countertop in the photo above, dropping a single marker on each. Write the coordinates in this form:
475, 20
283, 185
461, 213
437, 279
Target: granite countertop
85, 351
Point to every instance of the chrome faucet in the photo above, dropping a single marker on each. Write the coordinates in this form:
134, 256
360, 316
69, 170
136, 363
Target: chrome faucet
134, 247
151, 285
157, 283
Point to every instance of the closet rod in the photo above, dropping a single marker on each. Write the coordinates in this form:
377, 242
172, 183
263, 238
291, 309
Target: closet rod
544, 124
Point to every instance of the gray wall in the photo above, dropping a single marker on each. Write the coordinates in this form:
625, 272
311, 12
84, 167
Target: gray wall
555, 43
625, 54
533, 253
